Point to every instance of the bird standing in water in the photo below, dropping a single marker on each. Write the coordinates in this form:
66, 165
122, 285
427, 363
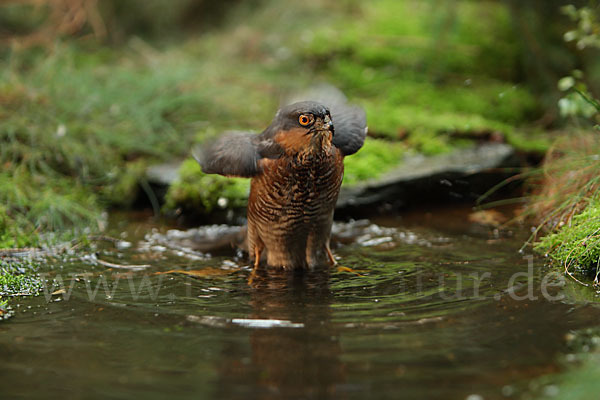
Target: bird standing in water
296, 169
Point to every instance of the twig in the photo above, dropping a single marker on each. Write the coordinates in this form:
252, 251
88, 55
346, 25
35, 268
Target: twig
573, 277
105, 238
18, 252
569, 256
77, 243
588, 99
122, 266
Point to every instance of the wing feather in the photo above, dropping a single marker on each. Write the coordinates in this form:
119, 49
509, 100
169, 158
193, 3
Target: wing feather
232, 154
235, 153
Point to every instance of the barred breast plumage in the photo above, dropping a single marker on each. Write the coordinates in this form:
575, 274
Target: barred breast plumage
290, 209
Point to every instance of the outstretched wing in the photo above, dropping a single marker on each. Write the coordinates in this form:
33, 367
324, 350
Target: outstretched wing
235, 154
350, 125
349, 121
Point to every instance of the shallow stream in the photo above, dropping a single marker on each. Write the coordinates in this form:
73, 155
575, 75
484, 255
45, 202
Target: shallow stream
425, 306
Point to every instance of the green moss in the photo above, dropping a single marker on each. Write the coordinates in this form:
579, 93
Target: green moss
577, 243
442, 71
34, 203
424, 123
441, 63
429, 143
11, 285
195, 190
69, 130
388, 119
374, 159
528, 140
17, 277
462, 37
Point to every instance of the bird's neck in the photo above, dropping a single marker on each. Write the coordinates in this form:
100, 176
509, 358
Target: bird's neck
318, 148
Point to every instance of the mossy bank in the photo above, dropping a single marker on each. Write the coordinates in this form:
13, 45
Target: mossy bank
81, 121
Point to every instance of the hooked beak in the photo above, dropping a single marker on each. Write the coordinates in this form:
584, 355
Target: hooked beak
323, 125
327, 124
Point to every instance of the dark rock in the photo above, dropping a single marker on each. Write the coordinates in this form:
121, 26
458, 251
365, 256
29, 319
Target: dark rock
463, 175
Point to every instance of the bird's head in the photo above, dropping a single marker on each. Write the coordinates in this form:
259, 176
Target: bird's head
302, 127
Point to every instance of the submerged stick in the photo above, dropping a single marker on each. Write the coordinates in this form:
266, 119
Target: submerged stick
122, 266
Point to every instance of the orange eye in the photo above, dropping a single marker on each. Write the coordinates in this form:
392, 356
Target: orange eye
304, 120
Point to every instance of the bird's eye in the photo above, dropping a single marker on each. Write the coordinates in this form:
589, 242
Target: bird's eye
304, 120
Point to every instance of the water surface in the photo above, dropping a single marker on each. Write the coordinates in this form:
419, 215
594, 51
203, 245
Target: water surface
425, 306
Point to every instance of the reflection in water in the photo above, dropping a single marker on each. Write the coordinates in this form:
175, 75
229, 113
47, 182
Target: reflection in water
290, 362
